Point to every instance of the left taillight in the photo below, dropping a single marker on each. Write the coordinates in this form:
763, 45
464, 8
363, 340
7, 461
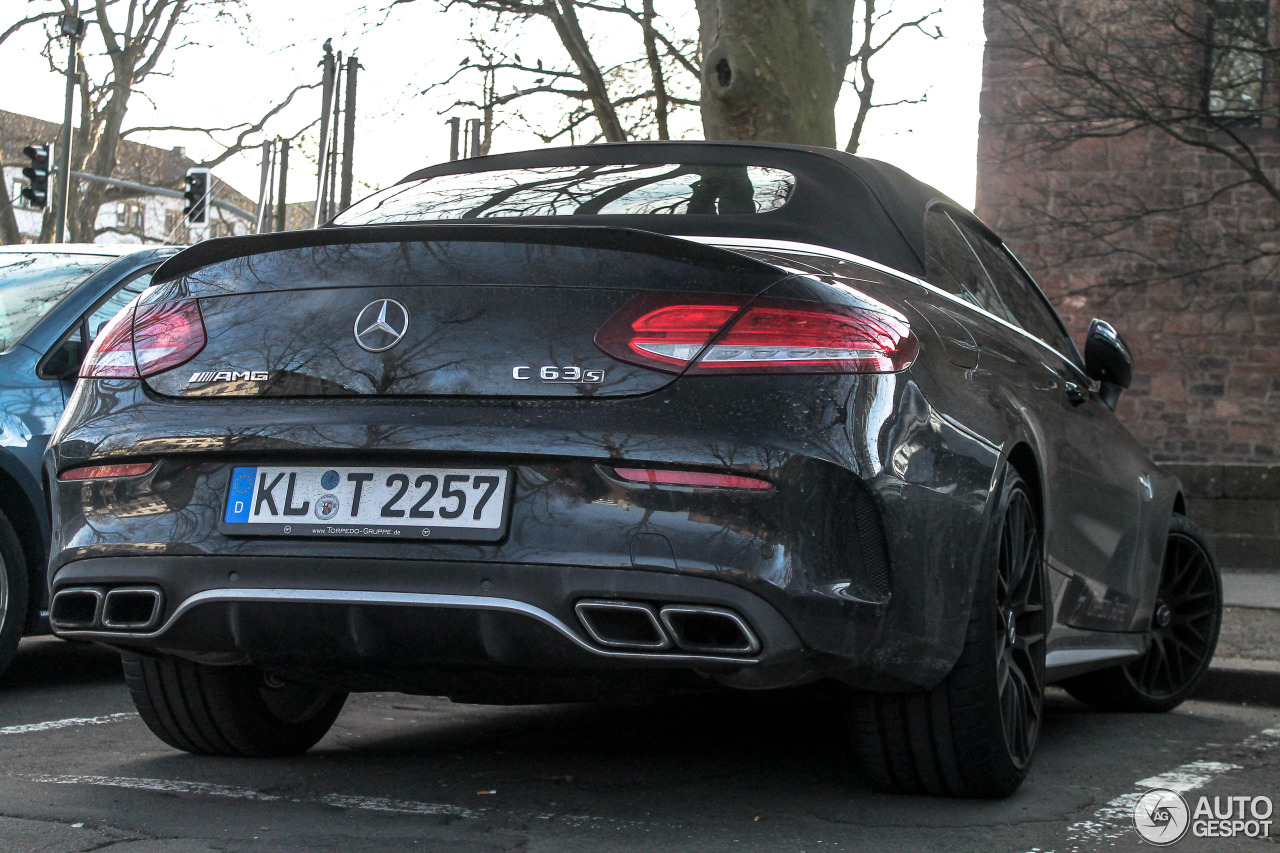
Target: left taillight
143, 340
677, 333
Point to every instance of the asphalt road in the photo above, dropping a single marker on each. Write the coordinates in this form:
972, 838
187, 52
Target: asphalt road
80, 772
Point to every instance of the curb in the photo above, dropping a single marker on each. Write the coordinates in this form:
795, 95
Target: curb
1241, 681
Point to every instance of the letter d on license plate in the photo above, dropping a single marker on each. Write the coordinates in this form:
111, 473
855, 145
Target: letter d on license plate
403, 503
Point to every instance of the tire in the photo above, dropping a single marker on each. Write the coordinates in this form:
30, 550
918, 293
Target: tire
1181, 639
15, 592
973, 735
228, 710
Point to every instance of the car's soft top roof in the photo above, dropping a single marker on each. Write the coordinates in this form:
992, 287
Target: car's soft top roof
842, 201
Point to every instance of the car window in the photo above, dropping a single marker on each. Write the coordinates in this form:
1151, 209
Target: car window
33, 283
1028, 308
121, 297
952, 266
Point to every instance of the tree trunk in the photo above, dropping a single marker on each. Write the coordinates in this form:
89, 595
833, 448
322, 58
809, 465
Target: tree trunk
772, 69
9, 234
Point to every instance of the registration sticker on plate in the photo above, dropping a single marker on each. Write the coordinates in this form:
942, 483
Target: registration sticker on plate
407, 503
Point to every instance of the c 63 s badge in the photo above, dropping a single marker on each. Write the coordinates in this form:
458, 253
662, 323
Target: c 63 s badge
572, 374
230, 376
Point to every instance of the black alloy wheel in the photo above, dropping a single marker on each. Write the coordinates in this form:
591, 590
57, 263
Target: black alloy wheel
1181, 637
973, 735
1021, 612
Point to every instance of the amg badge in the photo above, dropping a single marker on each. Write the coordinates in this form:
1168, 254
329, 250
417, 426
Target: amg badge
230, 376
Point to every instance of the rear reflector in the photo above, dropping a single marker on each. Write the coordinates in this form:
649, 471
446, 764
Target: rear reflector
680, 332
667, 477
146, 340
106, 472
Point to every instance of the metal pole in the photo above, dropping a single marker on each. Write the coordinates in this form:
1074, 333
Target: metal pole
282, 212
269, 218
64, 167
323, 160
455, 131
264, 187
331, 192
349, 134
164, 191
475, 137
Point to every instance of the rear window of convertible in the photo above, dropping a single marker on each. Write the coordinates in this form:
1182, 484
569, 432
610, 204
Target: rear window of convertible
607, 190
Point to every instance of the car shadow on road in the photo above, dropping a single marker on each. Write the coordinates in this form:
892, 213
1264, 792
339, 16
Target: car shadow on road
50, 662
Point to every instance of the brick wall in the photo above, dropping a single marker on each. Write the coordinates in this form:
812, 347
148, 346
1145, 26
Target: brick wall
1206, 343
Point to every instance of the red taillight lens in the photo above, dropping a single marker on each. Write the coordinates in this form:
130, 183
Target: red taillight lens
691, 478
668, 331
146, 340
111, 353
665, 331
167, 335
106, 472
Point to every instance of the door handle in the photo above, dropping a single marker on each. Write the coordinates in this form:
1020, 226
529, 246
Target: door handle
1076, 393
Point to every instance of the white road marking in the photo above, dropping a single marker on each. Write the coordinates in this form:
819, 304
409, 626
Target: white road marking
67, 723
1115, 819
167, 786
209, 789
382, 804
346, 801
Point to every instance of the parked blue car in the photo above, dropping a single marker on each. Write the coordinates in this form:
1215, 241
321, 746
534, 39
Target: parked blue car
53, 301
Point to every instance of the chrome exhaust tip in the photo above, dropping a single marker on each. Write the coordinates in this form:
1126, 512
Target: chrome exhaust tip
132, 608
76, 608
713, 630
622, 625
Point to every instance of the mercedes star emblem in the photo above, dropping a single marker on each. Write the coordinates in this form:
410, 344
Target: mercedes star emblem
381, 325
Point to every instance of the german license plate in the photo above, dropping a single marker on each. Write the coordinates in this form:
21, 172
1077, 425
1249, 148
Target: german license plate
406, 503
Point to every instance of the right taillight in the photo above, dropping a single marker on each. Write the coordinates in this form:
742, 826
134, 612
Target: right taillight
680, 333
146, 340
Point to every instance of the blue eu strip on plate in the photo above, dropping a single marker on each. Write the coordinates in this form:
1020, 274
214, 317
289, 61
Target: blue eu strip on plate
240, 495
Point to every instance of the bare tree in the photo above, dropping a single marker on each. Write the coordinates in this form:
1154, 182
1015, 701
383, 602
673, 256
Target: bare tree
1170, 80
126, 41
632, 97
759, 69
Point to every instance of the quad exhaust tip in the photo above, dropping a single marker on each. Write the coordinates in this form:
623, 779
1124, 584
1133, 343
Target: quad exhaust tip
622, 625
709, 629
687, 627
125, 608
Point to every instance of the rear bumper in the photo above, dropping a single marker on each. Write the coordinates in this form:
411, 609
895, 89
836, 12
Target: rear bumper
413, 625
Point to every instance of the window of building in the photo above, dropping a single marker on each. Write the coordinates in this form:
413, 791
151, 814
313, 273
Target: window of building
131, 216
1238, 48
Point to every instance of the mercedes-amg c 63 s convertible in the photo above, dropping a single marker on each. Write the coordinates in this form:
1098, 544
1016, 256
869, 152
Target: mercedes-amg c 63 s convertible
604, 421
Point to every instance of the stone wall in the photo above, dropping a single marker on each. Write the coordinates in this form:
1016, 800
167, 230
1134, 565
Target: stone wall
1206, 340
1207, 344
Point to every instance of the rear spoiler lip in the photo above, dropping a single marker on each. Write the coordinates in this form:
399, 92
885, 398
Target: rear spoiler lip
586, 236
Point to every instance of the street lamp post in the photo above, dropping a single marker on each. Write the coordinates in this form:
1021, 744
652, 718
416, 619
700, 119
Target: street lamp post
72, 26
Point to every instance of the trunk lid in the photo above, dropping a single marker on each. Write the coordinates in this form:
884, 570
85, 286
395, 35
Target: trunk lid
426, 311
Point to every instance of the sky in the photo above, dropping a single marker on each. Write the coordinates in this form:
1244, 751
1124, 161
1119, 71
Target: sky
228, 74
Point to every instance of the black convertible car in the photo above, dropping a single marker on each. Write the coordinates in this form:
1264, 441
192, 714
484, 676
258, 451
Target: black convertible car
600, 422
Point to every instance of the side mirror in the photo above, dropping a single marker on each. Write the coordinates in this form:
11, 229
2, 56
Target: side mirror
1107, 359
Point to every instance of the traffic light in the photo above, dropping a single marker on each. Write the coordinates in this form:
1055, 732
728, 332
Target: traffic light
197, 195
37, 174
